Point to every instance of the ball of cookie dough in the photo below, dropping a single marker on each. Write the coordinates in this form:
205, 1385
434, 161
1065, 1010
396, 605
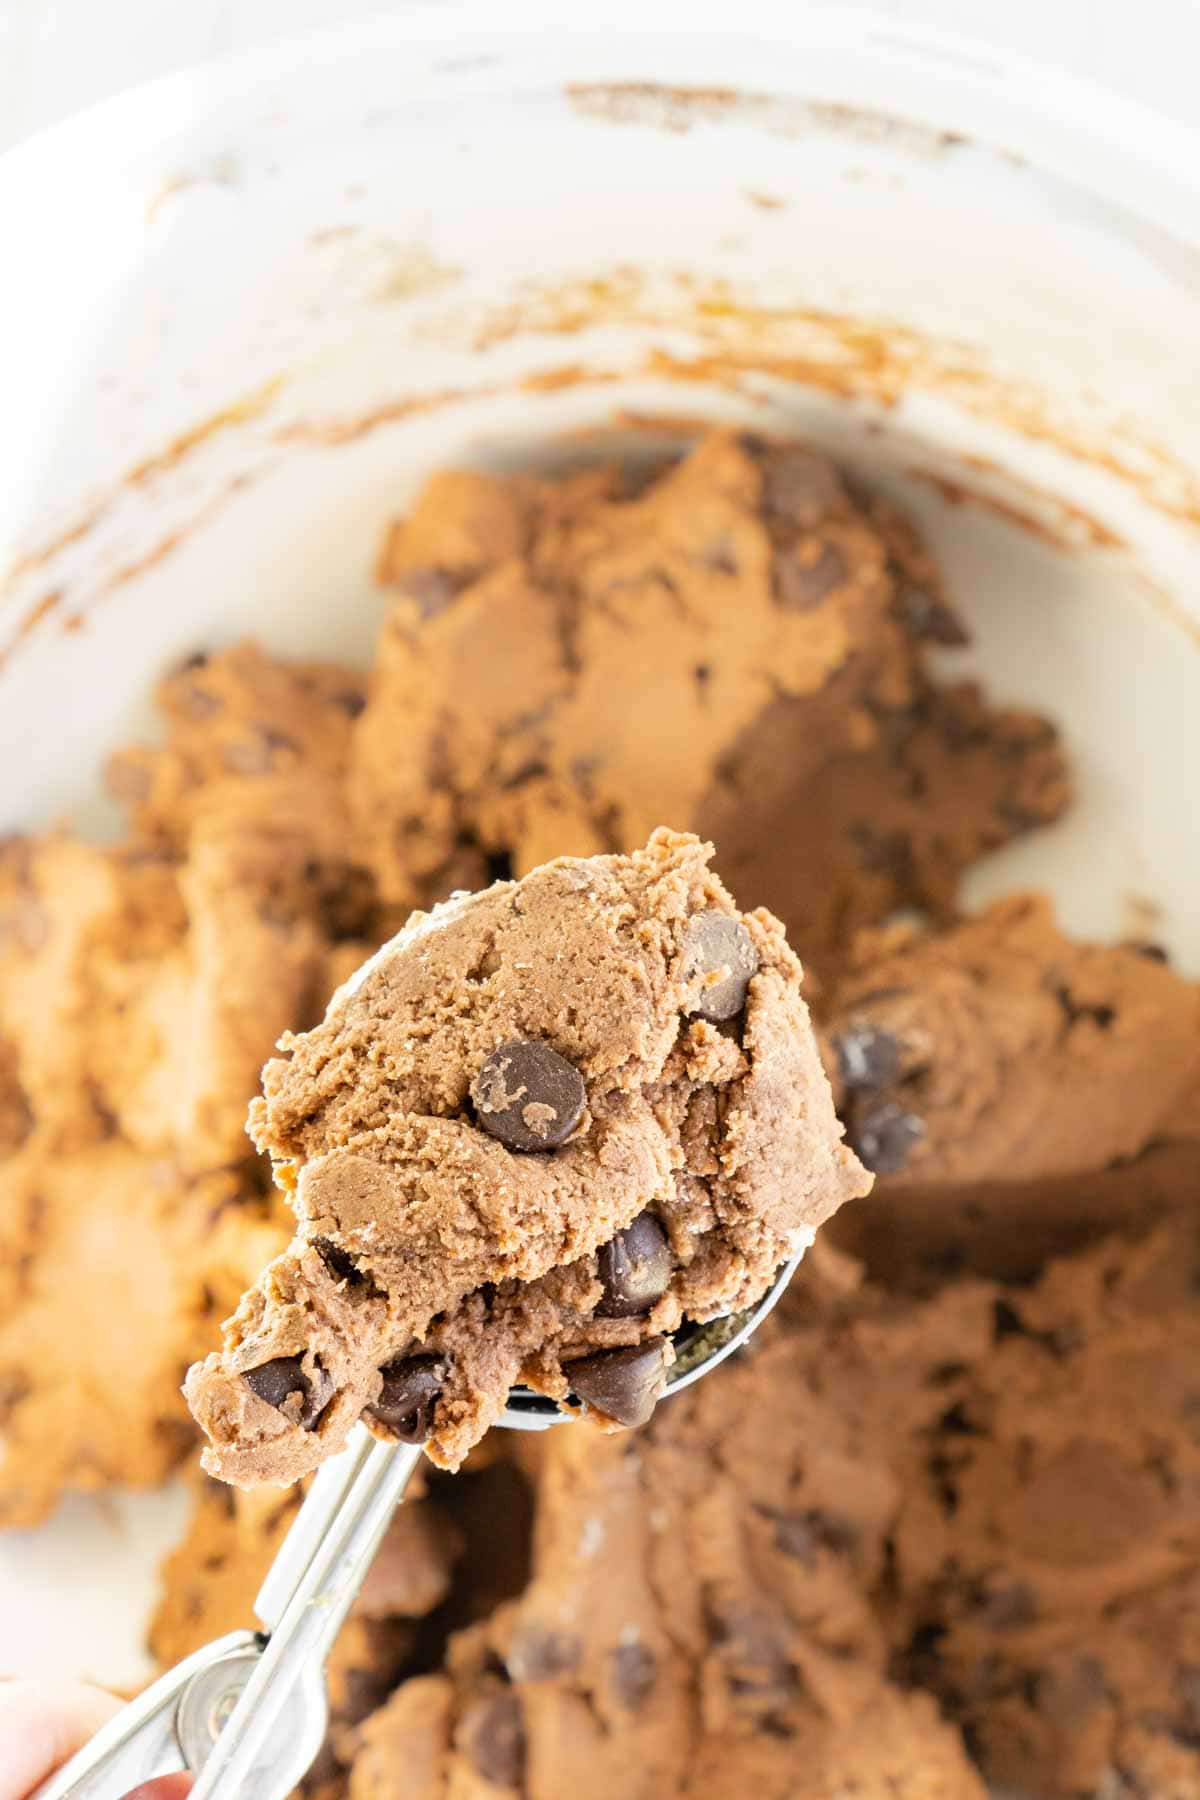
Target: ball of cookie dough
542, 1126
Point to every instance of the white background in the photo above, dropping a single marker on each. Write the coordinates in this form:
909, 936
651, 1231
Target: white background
57, 56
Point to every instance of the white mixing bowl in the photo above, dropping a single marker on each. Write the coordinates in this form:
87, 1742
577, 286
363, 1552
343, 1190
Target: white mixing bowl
244, 309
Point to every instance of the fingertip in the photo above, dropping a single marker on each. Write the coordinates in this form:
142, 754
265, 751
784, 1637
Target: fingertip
163, 1787
42, 1726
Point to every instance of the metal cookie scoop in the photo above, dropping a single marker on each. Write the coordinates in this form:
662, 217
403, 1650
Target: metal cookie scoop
247, 1714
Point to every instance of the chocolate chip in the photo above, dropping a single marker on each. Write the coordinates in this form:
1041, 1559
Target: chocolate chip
1152, 952
719, 555
805, 575
491, 1733
635, 1267
798, 485
536, 1654
802, 1534
352, 702
884, 852
410, 1391
796, 1537
715, 941
927, 617
432, 587
755, 1654
868, 1056
1007, 1322
276, 1381
621, 1384
883, 1134
634, 1672
528, 1096
339, 1262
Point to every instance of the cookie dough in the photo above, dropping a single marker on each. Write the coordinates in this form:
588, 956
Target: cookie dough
989, 1493
1049, 1552
140, 994
547, 1123
142, 985
696, 1624
738, 646
953, 1475
114, 1272
1003, 1048
1016, 1092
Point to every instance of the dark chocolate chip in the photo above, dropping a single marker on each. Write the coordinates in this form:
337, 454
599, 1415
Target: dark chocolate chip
715, 941
499, 865
432, 587
1152, 952
796, 1537
1075, 1010
410, 1391
635, 1268
538, 1655
754, 1653
491, 1733
352, 702
883, 852
927, 617
802, 1534
920, 1660
528, 1096
1007, 1322
805, 575
634, 1670
883, 1134
339, 1262
533, 770
197, 660
275, 1381
956, 1421
868, 1056
799, 486
622, 1384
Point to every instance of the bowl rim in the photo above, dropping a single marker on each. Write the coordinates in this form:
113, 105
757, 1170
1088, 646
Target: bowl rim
1004, 99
